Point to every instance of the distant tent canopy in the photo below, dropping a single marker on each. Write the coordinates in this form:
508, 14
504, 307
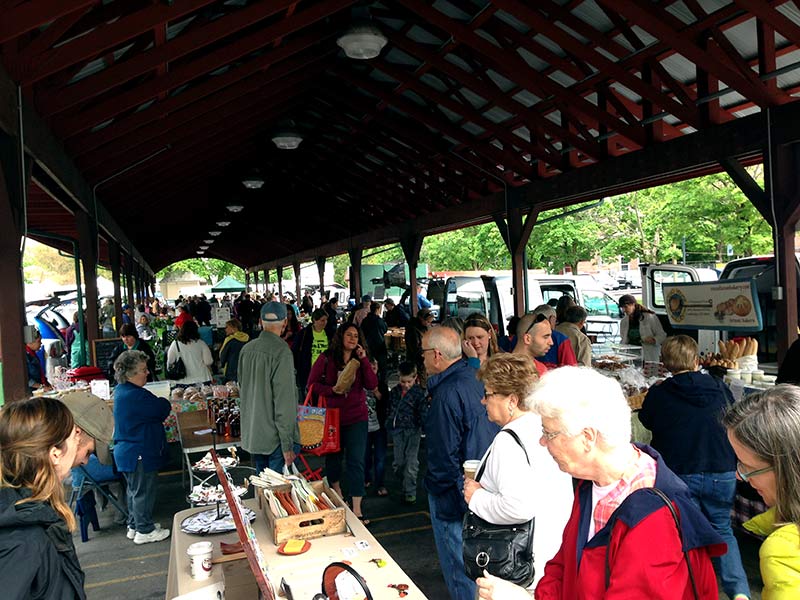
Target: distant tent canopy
227, 284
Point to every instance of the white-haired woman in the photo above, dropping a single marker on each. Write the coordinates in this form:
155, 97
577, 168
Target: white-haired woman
139, 443
517, 481
621, 533
764, 430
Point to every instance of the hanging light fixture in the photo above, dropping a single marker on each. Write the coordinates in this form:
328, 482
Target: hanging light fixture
203, 247
287, 140
253, 182
223, 223
215, 233
235, 208
208, 241
201, 252
362, 41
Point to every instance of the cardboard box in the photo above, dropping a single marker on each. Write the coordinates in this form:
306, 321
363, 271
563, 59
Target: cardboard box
307, 526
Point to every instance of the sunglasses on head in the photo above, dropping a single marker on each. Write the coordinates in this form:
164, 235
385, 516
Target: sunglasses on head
539, 318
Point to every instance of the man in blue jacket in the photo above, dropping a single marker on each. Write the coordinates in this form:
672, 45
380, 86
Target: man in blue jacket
457, 429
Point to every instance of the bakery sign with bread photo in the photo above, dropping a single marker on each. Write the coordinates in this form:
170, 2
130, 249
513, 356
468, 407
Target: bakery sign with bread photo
729, 305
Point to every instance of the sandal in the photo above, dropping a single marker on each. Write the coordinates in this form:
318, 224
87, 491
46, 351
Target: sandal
363, 519
382, 491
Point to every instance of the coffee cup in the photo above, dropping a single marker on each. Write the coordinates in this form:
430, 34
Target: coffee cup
200, 559
470, 468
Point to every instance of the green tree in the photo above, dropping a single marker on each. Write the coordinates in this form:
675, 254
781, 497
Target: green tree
558, 241
210, 269
472, 248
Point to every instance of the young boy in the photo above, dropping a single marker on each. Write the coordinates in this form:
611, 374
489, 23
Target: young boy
408, 408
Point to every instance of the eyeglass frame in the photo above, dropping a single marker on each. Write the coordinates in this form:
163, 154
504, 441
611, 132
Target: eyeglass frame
549, 436
746, 476
539, 318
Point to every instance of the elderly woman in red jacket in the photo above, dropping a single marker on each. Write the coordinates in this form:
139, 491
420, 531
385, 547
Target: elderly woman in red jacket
622, 539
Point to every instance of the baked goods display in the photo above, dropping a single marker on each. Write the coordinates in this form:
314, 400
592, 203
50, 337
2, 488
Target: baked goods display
731, 352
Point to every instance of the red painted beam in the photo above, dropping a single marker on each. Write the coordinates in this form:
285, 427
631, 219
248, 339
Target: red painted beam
27, 17
251, 91
663, 25
206, 91
114, 106
189, 43
110, 35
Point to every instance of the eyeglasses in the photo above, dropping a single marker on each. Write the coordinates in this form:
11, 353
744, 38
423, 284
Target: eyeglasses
488, 395
539, 318
424, 350
747, 476
550, 435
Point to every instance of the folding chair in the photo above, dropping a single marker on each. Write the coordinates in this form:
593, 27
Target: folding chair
93, 476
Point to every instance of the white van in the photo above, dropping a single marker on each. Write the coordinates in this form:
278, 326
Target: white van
492, 296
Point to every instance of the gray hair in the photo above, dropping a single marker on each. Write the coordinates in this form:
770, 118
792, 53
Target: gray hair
768, 423
445, 340
580, 397
127, 364
544, 309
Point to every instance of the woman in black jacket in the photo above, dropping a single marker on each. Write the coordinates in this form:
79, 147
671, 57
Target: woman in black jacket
131, 341
38, 446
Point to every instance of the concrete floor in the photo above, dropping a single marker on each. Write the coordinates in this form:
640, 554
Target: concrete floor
117, 569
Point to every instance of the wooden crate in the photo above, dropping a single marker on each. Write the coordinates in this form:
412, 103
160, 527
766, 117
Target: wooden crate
306, 526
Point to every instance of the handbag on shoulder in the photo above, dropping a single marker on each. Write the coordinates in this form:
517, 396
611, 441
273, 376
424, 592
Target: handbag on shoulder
177, 370
505, 551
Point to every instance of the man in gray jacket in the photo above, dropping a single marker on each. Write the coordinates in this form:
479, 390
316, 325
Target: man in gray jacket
268, 394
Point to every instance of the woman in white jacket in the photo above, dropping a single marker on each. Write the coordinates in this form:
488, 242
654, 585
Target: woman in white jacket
510, 489
641, 327
195, 354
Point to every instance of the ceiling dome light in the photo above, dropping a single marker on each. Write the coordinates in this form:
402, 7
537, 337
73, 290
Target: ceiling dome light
201, 252
203, 247
215, 233
223, 223
362, 42
235, 208
253, 182
287, 140
208, 241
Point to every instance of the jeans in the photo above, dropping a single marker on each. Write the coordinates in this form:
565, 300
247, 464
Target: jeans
714, 494
406, 458
353, 441
274, 460
449, 544
141, 498
375, 456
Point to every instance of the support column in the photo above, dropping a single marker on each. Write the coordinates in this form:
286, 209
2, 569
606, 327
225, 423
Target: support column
255, 280
129, 267
116, 261
516, 231
355, 273
247, 282
297, 287
12, 291
786, 193
412, 245
279, 271
266, 281
321, 271
87, 242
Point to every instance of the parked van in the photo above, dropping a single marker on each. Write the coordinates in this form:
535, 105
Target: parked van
492, 295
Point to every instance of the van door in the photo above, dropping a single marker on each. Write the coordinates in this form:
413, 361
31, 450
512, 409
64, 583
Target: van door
602, 322
653, 278
465, 295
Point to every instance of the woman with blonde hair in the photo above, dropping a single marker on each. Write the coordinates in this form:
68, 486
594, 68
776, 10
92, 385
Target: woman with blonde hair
480, 339
764, 430
38, 445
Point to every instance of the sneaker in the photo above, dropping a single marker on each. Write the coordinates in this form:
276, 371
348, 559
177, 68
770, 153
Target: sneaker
156, 535
132, 531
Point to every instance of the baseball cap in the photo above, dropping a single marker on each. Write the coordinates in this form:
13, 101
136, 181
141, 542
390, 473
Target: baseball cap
273, 312
126, 306
366, 298
93, 416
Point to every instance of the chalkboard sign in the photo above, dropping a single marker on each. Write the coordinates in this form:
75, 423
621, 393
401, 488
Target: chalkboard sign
102, 350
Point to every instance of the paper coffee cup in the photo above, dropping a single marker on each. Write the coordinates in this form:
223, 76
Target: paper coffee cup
470, 468
200, 559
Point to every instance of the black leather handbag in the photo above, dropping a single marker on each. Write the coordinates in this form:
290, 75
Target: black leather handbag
177, 370
505, 551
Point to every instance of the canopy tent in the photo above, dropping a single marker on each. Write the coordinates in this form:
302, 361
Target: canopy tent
227, 284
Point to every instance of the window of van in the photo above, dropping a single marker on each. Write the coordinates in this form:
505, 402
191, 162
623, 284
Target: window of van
465, 304
598, 304
659, 277
555, 291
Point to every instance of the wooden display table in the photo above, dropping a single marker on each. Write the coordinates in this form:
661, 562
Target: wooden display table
191, 443
303, 572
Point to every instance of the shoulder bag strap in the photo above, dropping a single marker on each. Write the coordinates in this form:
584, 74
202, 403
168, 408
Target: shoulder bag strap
671, 508
516, 438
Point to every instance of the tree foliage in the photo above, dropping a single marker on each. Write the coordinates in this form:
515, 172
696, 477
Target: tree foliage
210, 269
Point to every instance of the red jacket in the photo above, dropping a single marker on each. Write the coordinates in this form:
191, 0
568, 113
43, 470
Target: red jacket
644, 552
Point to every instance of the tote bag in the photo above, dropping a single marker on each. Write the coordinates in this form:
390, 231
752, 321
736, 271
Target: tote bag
319, 426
